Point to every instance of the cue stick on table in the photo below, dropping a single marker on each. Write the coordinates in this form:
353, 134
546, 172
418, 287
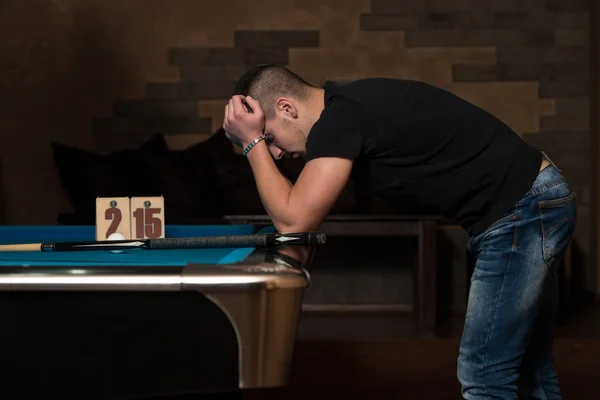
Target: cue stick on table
201, 242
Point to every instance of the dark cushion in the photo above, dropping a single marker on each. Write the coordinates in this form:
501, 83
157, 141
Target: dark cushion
150, 170
86, 175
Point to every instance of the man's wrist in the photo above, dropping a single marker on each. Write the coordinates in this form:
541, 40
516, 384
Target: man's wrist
248, 146
256, 136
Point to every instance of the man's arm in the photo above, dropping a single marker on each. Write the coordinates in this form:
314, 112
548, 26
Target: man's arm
292, 208
303, 206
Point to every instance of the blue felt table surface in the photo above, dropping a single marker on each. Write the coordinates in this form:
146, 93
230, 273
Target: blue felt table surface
39, 234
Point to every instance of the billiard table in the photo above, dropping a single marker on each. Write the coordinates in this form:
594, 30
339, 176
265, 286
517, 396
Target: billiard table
146, 323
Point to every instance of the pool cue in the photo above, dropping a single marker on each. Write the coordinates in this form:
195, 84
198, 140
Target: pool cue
201, 242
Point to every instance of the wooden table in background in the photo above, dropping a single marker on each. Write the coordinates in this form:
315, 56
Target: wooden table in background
424, 228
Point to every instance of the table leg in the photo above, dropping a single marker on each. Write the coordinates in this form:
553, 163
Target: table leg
426, 281
265, 322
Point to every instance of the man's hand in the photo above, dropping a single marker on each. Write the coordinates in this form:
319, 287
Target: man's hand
241, 125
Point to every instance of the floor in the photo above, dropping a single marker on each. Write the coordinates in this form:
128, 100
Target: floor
408, 368
420, 369
414, 369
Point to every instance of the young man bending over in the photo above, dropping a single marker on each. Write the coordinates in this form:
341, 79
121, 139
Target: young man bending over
410, 142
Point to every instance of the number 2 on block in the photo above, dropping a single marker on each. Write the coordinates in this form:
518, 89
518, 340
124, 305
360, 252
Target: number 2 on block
113, 215
116, 216
147, 215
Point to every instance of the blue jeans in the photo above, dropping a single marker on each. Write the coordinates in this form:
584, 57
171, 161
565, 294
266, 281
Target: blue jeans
506, 347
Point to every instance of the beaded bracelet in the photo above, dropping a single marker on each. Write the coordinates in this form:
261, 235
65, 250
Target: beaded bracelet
254, 143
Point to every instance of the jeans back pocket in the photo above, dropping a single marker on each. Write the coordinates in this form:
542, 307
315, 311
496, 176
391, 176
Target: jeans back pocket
558, 218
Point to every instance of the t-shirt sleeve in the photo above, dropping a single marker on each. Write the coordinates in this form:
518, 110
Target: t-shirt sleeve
338, 132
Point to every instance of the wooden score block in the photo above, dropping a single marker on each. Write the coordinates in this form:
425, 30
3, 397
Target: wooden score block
147, 217
113, 215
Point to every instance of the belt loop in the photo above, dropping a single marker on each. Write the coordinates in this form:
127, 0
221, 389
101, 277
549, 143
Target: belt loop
551, 162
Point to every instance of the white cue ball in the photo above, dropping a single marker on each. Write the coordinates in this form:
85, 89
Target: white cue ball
116, 236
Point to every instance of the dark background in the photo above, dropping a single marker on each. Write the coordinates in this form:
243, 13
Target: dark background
106, 97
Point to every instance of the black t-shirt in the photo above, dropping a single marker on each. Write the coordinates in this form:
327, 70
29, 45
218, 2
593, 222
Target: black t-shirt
425, 147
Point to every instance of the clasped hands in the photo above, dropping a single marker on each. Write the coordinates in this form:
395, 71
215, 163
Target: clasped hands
242, 126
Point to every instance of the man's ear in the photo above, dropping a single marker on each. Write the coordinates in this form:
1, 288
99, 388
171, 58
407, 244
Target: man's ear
286, 107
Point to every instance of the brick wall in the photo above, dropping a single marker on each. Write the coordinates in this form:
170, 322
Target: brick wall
105, 76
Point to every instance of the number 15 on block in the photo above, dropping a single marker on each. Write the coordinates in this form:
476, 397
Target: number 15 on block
147, 217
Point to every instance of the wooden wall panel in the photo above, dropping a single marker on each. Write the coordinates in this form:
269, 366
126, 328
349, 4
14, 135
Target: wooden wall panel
104, 75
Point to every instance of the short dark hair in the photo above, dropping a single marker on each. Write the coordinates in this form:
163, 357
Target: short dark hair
266, 82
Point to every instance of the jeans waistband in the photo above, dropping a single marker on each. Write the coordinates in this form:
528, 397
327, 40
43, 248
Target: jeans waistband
547, 178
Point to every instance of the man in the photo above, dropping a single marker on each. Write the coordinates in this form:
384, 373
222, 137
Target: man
414, 143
